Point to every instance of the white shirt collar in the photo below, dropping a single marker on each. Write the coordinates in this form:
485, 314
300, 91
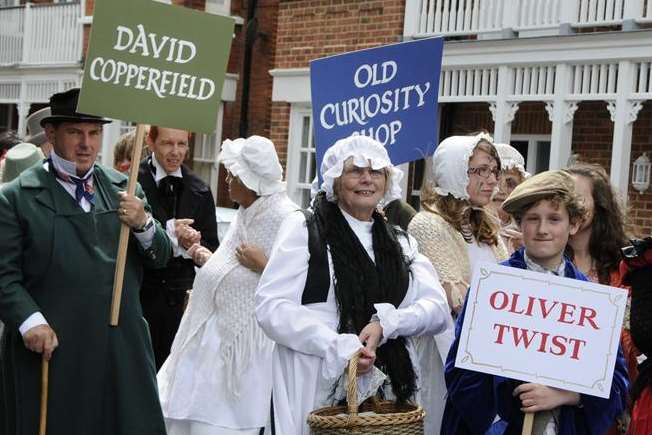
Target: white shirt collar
160, 172
531, 265
67, 167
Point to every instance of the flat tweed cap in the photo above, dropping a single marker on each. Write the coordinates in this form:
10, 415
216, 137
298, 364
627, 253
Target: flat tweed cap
539, 186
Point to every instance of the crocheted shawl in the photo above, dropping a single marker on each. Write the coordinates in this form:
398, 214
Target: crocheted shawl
231, 300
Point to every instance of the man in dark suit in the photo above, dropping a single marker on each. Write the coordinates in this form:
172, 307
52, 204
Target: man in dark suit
184, 205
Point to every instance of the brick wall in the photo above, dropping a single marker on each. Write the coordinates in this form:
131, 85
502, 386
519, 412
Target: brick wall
593, 133
640, 205
464, 118
259, 119
324, 27
531, 118
310, 29
592, 141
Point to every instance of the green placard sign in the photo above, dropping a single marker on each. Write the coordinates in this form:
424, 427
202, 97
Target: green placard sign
154, 63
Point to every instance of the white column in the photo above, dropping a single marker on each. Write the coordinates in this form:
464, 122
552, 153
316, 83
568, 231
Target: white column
503, 111
633, 10
215, 166
405, 167
23, 110
623, 114
110, 135
27, 34
560, 113
568, 11
411, 22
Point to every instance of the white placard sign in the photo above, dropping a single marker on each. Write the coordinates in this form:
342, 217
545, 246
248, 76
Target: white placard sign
542, 328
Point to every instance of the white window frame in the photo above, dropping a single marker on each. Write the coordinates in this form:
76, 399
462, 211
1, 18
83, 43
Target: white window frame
201, 156
218, 7
5, 124
295, 186
8, 3
532, 148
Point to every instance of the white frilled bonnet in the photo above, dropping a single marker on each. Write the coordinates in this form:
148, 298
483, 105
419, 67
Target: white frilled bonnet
363, 149
450, 164
510, 158
255, 162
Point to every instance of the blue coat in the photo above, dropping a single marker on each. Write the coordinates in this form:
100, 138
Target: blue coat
474, 399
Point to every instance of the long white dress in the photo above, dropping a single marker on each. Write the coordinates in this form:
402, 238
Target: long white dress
217, 379
310, 355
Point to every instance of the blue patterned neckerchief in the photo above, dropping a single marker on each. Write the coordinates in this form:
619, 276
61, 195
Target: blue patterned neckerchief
83, 186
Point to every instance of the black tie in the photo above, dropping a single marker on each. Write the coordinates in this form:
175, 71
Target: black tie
170, 187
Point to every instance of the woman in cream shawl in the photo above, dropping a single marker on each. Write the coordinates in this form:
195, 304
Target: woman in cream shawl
218, 377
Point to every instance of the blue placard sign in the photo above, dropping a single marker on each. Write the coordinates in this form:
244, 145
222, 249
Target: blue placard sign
389, 93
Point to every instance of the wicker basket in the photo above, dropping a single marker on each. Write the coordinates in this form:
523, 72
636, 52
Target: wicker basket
388, 418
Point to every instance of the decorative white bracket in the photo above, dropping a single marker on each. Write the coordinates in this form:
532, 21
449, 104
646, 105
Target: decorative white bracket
571, 108
611, 107
492, 109
509, 115
633, 107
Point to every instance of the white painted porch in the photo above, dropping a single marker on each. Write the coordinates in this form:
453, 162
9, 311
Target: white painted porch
498, 18
561, 71
41, 34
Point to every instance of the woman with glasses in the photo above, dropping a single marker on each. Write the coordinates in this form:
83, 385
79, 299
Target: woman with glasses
341, 280
454, 230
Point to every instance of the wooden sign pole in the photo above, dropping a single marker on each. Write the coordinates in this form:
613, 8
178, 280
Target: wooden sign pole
45, 366
124, 230
528, 422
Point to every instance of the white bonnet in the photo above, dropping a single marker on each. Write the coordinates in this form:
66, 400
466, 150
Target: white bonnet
510, 158
363, 149
450, 164
255, 162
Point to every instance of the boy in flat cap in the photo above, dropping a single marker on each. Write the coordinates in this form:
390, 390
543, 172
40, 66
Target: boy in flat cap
547, 211
60, 225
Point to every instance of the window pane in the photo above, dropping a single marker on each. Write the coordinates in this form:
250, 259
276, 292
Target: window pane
312, 167
521, 146
305, 198
418, 168
305, 132
543, 156
302, 167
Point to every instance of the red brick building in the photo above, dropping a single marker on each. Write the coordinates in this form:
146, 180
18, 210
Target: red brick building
565, 79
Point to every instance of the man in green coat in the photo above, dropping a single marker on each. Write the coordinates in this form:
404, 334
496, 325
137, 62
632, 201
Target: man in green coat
59, 231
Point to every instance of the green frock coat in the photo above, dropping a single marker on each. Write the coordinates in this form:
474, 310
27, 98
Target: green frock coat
60, 261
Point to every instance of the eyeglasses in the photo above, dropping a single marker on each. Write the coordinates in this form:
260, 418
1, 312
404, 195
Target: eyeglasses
358, 172
485, 171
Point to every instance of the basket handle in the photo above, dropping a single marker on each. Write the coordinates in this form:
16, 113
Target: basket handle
352, 387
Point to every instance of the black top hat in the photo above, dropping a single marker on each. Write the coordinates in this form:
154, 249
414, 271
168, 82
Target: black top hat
63, 108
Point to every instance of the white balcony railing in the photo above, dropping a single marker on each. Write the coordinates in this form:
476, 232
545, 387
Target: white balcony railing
469, 17
41, 34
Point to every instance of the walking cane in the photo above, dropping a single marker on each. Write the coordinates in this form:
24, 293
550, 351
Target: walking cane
528, 421
45, 365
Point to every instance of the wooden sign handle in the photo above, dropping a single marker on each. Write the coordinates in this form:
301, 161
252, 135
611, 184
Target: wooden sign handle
121, 258
45, 367
528, 422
